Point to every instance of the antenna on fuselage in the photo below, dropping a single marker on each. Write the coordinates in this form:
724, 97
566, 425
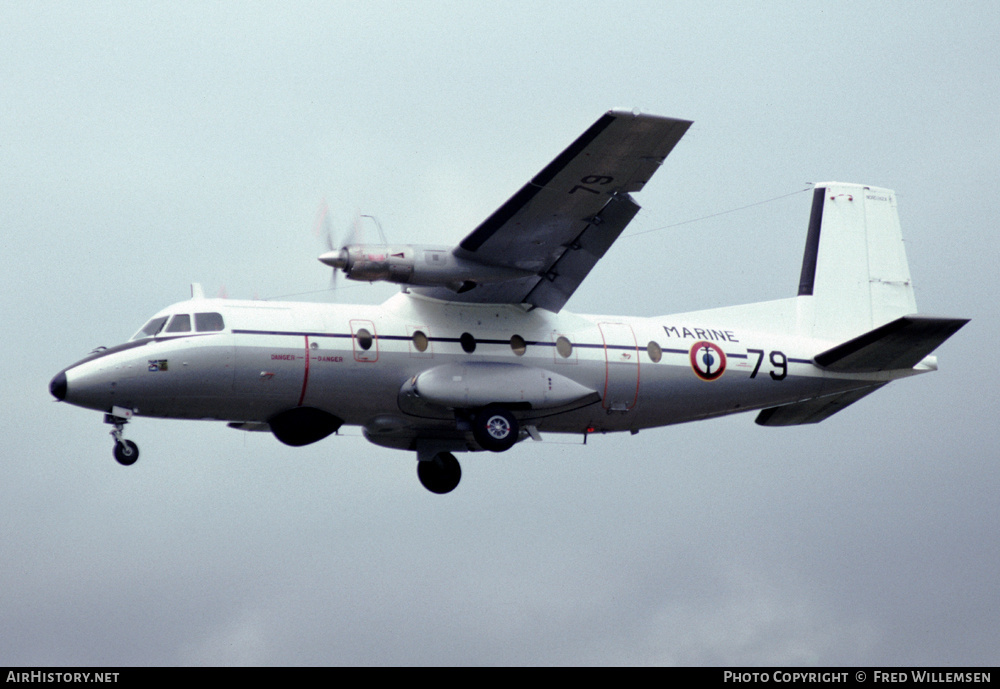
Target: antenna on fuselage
381, 234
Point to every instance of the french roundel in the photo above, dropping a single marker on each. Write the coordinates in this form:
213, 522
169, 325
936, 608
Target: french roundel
708, 360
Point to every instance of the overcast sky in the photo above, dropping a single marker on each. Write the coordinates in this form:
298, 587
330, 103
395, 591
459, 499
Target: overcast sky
146, 146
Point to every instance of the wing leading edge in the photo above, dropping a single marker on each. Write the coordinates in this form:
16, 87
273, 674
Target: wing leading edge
559, 224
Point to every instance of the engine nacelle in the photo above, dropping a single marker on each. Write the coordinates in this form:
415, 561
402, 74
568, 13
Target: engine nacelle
407, 264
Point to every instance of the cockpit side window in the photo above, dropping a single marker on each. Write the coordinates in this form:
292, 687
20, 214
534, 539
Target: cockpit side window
208, 322
181, 323
151, 328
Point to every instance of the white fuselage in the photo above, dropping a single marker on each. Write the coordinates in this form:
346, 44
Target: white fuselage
353, 361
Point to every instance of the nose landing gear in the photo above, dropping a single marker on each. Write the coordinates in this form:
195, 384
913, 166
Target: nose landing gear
126, 452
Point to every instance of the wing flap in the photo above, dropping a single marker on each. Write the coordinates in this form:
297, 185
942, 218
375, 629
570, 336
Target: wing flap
565, 275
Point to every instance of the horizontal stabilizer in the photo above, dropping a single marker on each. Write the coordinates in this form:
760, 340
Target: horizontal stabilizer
900, 344
812, 411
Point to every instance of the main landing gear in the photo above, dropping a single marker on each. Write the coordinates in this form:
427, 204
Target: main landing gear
126, 452
494, 428
440, 474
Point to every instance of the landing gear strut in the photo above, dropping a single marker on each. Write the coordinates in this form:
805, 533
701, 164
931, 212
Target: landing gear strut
126, 452
441, 474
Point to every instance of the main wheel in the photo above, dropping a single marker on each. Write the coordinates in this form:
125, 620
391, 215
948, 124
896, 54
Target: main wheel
495, 429
441, 474
126, 452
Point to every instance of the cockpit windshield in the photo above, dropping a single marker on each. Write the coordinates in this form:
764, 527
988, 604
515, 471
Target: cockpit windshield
181, 323
151, 328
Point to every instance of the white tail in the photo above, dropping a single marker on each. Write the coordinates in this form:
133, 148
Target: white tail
855, 276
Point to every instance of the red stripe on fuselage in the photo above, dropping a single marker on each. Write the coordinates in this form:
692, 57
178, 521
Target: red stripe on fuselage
305, 375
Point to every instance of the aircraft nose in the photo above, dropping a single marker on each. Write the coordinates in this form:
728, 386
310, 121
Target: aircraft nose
58, 386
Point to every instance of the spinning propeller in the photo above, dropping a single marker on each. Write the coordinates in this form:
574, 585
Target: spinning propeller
351, 252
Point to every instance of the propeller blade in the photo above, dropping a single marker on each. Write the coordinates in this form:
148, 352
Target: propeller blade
322, 228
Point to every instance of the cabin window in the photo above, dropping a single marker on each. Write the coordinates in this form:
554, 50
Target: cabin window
654, 352
564, 347
365, 339
518, 345
208, 322
151, 328
181, 323
420, 341
468, 343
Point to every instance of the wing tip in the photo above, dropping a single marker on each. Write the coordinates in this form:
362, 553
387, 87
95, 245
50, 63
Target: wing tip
637, 113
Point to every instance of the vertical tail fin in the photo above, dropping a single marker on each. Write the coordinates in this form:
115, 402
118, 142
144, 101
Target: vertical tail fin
855, 276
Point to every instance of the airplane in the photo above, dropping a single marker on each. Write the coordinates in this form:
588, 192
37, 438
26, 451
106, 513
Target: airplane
476, 353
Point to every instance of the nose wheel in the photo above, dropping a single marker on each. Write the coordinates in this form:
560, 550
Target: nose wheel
126, 452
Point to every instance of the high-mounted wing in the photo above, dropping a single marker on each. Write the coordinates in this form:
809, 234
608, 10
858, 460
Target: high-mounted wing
561, 222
